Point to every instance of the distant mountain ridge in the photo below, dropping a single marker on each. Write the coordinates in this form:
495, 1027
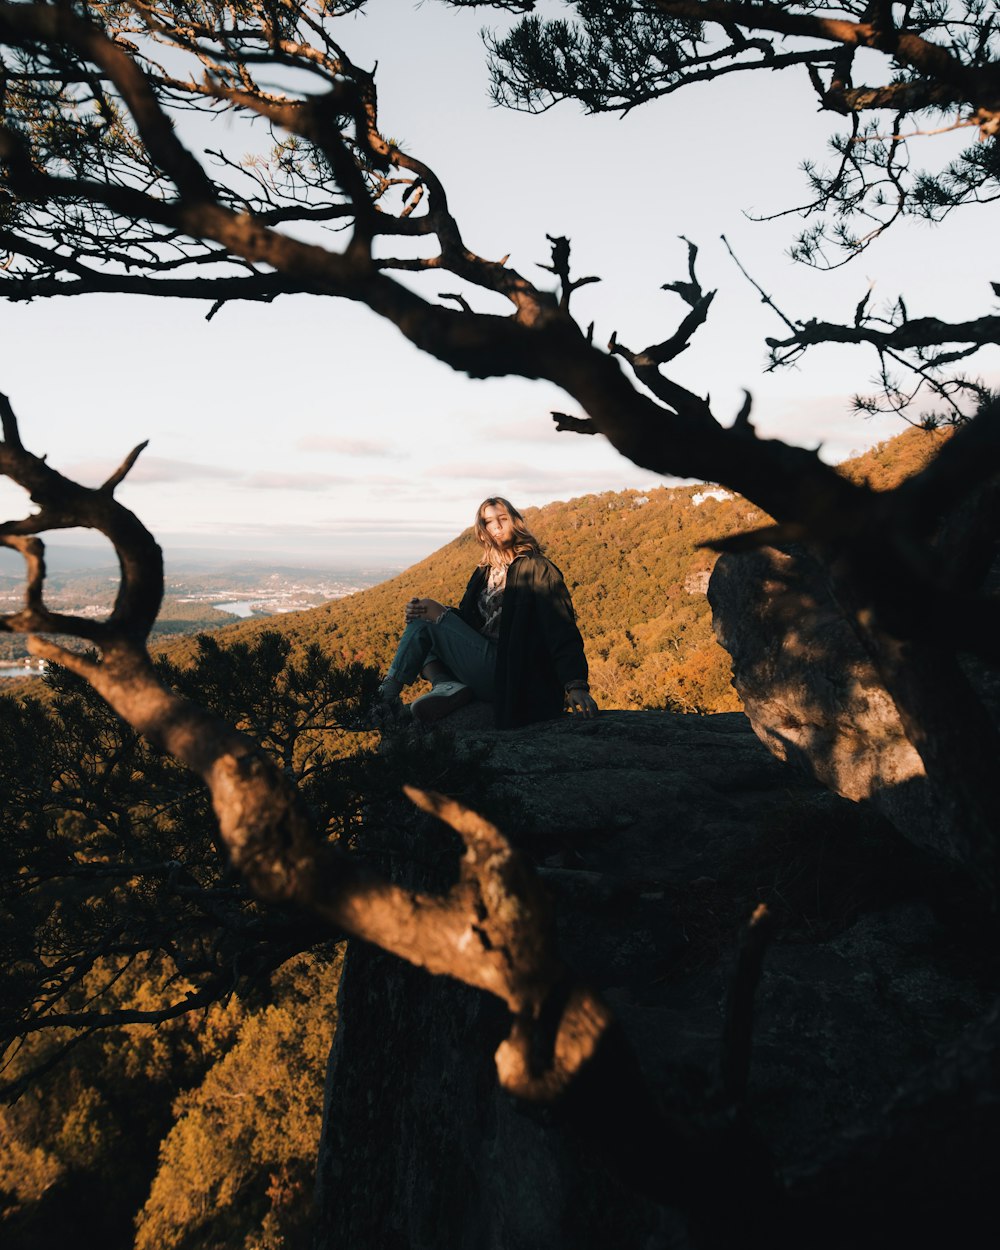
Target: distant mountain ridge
633, 562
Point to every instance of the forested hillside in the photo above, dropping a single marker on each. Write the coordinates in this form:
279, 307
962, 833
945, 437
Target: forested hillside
638, 575
162, 1039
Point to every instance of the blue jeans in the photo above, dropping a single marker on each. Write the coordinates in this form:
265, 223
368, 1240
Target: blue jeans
468, 656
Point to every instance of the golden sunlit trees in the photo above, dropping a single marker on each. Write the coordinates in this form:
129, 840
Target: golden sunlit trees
109, 859
237, 1166
117, 914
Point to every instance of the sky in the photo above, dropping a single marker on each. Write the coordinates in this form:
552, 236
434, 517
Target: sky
309, 429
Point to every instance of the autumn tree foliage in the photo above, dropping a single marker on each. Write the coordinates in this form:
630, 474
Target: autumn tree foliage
117, 914
110, 852
236, 1167
149, 1006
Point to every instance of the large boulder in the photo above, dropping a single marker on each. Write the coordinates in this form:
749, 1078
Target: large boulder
813, 695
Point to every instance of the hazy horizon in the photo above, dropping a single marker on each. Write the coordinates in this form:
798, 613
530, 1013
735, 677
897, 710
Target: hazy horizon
87, 555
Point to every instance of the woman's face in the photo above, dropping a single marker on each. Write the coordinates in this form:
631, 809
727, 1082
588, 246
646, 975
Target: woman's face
498, 524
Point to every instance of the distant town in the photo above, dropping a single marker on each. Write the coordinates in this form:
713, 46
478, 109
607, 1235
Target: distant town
196, 599
275, 592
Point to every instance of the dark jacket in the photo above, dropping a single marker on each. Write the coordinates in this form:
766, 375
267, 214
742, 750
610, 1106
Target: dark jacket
539, 649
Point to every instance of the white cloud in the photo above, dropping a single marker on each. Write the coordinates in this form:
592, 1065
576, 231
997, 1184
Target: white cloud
150, 469
156, 470
381, 448
490, 471
537, 429
273, 480
552, 486
385, 481
339, 527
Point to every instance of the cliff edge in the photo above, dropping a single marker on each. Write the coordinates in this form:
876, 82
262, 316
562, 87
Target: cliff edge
657, 834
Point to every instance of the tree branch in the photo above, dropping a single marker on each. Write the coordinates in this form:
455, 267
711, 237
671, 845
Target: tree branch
978, 86
918, 332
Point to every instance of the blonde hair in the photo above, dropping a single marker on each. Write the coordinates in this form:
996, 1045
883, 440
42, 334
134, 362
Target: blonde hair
525, 543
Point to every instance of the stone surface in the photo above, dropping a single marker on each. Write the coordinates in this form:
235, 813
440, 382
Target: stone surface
812, 694
656, 834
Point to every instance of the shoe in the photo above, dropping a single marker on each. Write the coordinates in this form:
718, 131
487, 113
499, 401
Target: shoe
446, 697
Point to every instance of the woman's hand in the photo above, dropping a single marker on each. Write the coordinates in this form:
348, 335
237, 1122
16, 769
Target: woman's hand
424, 610
579, 702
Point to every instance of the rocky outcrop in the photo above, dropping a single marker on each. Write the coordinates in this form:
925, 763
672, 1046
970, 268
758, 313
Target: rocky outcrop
813, 695
657, 834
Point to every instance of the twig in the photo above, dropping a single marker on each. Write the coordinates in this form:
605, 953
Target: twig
121, 472
574, 425
743, 422
765, 298
8, 421
560, 267
460, 300
915, 134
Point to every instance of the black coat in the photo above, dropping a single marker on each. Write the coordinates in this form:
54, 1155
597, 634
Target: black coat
539, 648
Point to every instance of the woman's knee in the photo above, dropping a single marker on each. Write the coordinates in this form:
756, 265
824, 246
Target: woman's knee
416, 629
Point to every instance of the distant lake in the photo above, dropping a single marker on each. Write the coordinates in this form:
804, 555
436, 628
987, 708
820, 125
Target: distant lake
242, 607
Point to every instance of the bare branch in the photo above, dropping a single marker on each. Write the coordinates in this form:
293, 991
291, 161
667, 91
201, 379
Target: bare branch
121, 472
689, 291
9, 423
919, 332
743, 423
204, 996
460, 300
575, 425
560, 267
765, 298
65, 505
645, 364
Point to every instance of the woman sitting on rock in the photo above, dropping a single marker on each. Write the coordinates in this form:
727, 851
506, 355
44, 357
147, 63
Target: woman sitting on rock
512, 641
